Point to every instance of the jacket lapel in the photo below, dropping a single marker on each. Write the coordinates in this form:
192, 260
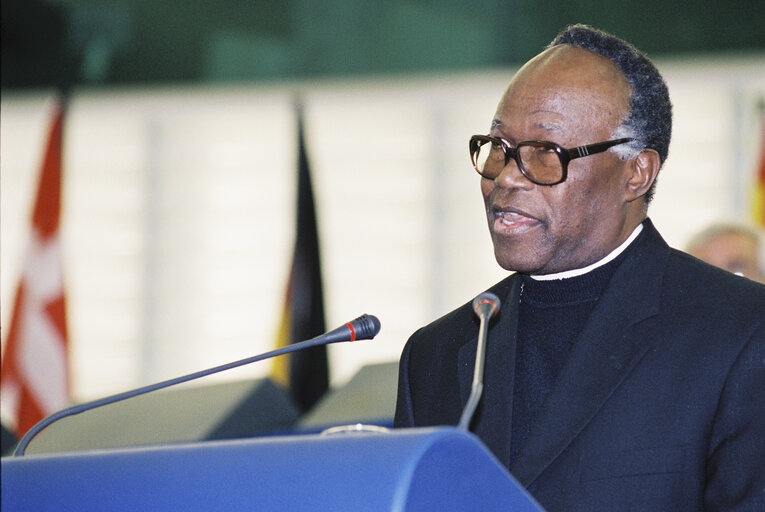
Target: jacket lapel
601, 357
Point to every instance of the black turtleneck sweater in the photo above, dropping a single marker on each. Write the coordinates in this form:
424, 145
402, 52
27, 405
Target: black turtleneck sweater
551, 315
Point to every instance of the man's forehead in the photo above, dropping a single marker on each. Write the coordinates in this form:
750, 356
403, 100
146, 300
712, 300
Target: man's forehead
564, 82
572, 63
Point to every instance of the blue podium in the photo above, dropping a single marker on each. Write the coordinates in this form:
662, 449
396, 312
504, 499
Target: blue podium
403, 470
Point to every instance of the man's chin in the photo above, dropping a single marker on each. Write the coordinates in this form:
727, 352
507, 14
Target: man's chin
514, 256
515, 264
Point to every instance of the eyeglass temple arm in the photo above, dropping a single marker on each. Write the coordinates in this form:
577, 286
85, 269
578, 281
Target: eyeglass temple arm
591, 149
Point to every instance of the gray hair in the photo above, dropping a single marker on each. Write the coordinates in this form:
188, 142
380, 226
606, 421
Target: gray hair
649, 121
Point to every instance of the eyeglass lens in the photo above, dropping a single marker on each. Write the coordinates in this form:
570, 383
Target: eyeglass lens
538, 162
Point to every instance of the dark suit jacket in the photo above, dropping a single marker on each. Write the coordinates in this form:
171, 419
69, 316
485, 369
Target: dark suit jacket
660, 405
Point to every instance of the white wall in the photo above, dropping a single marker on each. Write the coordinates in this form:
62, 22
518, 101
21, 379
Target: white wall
179, 207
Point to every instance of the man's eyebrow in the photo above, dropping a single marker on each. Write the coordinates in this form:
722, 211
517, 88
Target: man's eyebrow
548, 126
544, 125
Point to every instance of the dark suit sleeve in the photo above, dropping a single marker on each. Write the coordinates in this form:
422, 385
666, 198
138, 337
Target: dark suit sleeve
736, 460
404, 410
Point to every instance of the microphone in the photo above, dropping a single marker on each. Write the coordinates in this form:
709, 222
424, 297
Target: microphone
485, 306
364, 327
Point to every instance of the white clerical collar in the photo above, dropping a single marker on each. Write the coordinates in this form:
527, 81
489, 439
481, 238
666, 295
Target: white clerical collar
580, 271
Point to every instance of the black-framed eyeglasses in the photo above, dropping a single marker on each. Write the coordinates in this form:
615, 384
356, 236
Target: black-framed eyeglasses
542, 162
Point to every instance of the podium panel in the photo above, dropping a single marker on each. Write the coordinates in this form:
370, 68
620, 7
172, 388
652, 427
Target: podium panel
369, 397
406, 470
227, 410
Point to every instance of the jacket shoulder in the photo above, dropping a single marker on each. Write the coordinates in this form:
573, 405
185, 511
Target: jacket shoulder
716, 292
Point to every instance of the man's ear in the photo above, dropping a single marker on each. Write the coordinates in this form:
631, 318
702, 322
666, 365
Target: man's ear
644, 169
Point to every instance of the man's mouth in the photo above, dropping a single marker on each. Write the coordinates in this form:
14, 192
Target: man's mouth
507, 222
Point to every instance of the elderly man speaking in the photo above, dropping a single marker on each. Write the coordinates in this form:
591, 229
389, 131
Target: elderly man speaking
621, 374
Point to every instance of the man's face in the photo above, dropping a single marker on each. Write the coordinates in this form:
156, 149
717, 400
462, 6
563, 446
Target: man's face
571, 97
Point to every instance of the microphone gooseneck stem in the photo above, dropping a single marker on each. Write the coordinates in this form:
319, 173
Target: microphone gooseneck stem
364, 327
77, 409
477, 387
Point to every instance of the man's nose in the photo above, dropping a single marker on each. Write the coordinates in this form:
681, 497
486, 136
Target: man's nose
511, 177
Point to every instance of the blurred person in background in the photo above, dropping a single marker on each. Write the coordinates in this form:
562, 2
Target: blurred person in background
734, 247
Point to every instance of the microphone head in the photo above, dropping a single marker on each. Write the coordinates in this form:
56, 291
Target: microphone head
364, 327
486, 304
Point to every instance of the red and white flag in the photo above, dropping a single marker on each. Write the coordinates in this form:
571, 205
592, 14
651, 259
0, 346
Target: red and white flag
34, 379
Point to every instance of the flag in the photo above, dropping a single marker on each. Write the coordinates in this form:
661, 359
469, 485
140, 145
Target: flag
304, 373
34, 378
759, 186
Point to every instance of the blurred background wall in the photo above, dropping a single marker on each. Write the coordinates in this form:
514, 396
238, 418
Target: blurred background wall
180, 158
181, 41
